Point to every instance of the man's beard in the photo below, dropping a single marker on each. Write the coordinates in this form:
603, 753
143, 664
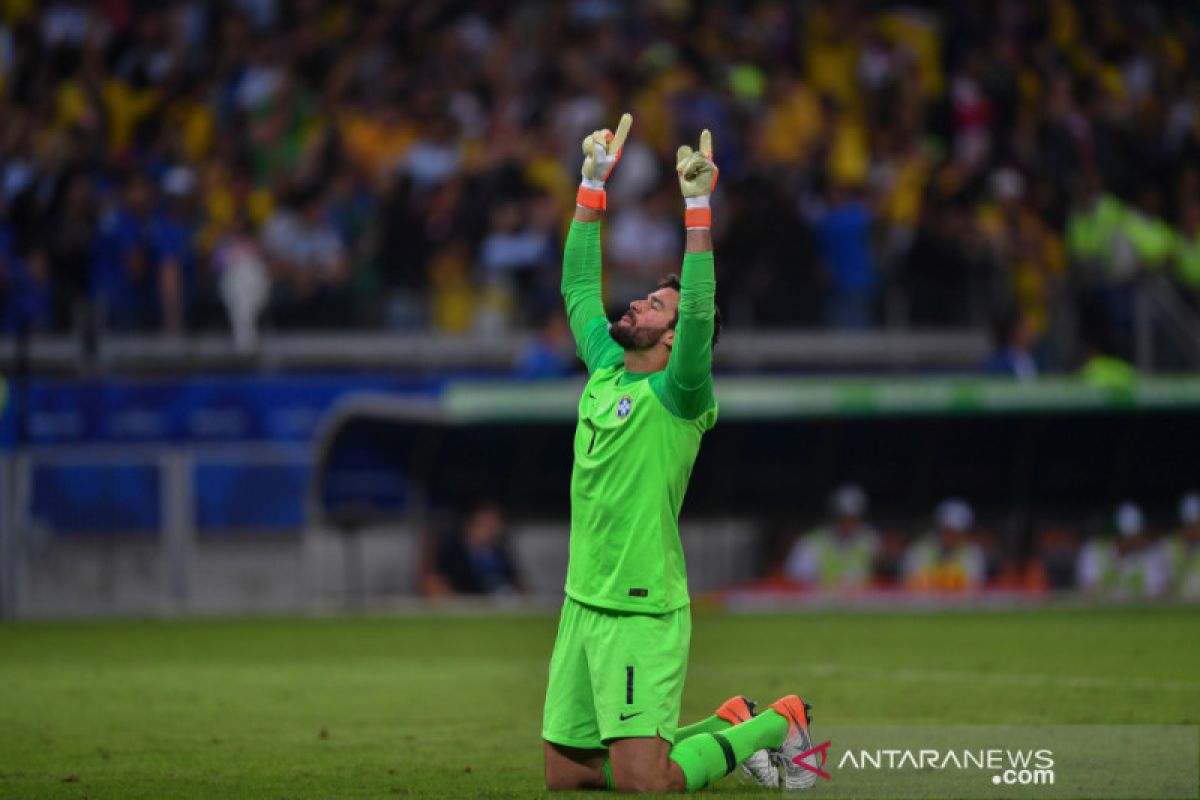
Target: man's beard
631, 337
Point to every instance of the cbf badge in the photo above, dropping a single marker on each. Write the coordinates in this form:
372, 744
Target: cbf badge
624, 406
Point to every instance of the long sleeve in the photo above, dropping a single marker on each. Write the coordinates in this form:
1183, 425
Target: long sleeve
688, 380
581, 291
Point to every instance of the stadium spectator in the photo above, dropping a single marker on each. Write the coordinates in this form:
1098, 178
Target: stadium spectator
473, 558
551, 353
1056, 548
518, 255
1012, 338
1125, 563
1104, 370
943, 265
70, 250
1182, 549
409, 264
309, 264
1092, 227
25, 292
436, 156
125, 280
1023, 249
946, 558
643, 244
172, 250
764, 233
843, 234
239, 280
1096, 562
839, 554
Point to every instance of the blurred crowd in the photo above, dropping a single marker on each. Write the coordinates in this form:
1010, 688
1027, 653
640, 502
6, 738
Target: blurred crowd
183, 165
1124, 559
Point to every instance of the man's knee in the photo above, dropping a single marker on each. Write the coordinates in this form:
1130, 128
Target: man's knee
643, 765
643, 782
569, 769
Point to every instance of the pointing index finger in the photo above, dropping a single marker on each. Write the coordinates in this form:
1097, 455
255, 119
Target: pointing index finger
706, 143
618, 140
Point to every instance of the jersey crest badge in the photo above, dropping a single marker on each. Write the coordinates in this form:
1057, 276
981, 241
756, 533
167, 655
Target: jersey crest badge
624, 406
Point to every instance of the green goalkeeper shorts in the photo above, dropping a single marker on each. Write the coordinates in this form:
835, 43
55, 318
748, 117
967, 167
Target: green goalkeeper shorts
615, 674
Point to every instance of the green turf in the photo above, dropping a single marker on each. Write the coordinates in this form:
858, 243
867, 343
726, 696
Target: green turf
451, 707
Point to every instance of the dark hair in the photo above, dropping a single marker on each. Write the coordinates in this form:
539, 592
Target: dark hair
672, 282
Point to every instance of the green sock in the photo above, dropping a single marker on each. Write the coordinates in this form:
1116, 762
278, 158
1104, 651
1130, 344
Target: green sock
713, 724
708, 757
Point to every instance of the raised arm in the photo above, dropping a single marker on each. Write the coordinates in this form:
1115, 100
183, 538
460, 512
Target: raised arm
689, 371
581, 279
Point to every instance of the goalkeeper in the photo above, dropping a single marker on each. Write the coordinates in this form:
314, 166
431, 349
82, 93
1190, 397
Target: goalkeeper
617, 671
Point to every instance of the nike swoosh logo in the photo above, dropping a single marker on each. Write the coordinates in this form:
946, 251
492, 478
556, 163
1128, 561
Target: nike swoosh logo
631, 716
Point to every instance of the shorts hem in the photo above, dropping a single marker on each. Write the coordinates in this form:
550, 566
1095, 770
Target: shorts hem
639, 733
579, 744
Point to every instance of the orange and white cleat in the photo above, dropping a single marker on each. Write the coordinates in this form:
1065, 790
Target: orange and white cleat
759, 767
736, 710
797, 742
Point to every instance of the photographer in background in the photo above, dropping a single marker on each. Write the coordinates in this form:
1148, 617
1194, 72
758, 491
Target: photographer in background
473, 557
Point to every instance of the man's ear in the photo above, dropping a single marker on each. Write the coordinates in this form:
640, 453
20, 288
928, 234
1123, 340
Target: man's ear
668, 338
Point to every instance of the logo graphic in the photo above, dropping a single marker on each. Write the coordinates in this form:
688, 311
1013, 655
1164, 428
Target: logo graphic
823, 749
630, 716
624, 406
1020, 767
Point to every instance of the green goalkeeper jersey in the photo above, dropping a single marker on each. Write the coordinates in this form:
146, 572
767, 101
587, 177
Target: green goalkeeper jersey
636, 441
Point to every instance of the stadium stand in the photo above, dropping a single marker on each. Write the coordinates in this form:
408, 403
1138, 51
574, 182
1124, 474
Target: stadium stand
933, 164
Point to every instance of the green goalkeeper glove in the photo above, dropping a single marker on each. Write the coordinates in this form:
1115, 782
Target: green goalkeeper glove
601, 152
697, 178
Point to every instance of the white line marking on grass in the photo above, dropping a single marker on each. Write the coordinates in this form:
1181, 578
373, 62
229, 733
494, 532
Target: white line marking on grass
910, 675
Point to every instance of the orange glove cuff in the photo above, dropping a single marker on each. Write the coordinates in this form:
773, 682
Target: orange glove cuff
698, 218
595, 199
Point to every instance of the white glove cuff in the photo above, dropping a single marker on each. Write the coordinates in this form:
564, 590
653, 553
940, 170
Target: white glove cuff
593, 183
697, 202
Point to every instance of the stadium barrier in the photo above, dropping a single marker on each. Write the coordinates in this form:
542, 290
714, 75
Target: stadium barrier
116, 354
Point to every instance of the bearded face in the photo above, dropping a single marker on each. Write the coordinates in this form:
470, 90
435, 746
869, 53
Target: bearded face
631, 334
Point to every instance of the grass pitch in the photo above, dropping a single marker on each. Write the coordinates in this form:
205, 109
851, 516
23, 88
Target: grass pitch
451, 707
